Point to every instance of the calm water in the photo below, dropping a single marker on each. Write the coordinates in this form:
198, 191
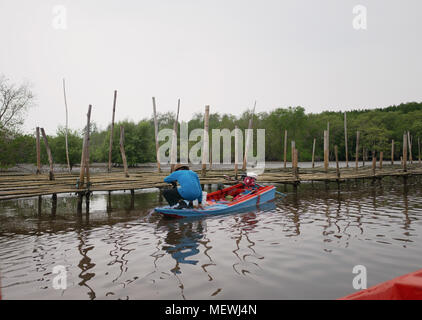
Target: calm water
301, 247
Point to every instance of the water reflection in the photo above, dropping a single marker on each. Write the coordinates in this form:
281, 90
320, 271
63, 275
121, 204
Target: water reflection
85, 264
182, 241
122, 250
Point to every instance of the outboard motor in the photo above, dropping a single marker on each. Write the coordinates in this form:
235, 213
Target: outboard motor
249, 179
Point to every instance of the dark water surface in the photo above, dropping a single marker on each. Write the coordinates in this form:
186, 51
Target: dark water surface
301, 247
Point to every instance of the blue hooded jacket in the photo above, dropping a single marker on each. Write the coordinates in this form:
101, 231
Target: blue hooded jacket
190, 187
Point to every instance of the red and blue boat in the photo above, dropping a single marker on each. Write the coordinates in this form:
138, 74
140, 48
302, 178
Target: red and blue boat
232, 199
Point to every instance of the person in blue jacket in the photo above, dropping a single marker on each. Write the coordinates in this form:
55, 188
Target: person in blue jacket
189, 189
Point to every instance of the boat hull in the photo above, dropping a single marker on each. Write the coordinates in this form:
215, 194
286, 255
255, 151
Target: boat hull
265, 194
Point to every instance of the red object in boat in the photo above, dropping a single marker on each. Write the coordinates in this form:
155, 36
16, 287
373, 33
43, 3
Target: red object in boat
407, 287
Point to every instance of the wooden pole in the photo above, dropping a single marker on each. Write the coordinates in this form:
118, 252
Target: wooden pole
374, 162
337, 166
293, 152
392, 152
173, 155
205, 148
419, 150
326, 150
313, 154
85, 149
82, 168
157, 146
88, 138
122, 150
357, 150
345, 140
294, 161
210, 159
245, 158
50, 157
110, 148
236, 151
381, 156
328, 143
67, 127
404, 152
285, 148
38, 145
409, 143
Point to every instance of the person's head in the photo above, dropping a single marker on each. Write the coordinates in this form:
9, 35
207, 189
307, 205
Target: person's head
181, 167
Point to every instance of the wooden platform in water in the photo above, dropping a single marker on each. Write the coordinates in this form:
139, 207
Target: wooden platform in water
14, 185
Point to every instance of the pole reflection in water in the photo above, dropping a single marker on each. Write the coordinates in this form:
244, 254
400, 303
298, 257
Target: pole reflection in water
85, 264
301, 246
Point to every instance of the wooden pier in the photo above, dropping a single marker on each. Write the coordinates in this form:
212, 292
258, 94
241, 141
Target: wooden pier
13, 185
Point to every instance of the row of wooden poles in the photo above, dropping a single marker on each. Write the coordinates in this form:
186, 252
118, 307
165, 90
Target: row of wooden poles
407, 149
84, 176
206, 157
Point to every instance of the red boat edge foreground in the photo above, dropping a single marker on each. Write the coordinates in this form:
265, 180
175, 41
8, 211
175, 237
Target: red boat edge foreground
407, 287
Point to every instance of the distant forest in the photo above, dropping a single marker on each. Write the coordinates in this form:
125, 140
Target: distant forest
378, 127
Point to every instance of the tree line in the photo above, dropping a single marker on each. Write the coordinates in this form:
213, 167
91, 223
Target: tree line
377, 127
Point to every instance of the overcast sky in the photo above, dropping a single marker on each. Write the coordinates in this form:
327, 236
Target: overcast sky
225, 53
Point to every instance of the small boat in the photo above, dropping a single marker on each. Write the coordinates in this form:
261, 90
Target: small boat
231, 199
406, 287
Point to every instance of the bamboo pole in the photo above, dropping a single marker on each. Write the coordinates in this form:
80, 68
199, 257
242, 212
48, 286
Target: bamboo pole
50, 157
404, 152
38, 146
82, 167
112, 131
210, 168
337, 165
245, 157
205, 148
67, 127
392, 152
84, 149
313, 154
295, 162
328, 143
326, 150
374, 162
122, 150
157, 146
357, 150
345, 140
236, 151
285, 148
293, 152
88, 139
173, 155
409, 143
381, 156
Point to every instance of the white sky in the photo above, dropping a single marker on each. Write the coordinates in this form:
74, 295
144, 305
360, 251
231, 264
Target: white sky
225, 53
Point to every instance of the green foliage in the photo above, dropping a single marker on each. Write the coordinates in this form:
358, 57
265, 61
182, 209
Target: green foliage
16, 148
377, 128
58, 146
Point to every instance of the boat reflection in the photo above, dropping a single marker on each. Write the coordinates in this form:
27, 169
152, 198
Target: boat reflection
184, 236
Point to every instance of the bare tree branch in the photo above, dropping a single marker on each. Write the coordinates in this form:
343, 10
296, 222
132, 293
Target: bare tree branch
14, 102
